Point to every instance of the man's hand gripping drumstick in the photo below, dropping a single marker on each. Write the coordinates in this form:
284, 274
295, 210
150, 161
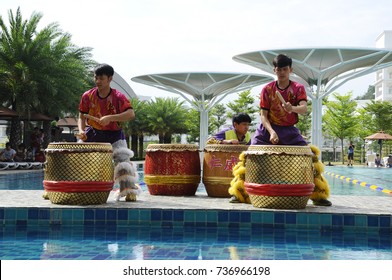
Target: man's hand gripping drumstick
286, 105
83, 136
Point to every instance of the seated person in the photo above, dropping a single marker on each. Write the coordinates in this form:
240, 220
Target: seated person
377, 161
20, 153
39, 155
237, 134
389, 163
8, 154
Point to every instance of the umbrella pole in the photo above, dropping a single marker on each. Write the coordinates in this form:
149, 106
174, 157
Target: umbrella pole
380, 148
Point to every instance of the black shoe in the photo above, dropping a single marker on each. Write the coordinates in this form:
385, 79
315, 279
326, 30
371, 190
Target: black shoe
234, 199
322, 202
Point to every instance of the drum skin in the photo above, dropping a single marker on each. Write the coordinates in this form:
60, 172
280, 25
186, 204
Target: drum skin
172, 169
78, 173
279, 177
218, 163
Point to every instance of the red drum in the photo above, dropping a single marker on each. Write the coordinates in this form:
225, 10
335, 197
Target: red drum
279, 177
172, 169
78, 173
218, 164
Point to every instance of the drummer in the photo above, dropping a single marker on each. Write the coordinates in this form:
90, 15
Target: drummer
103, 107
237, 134
281, 101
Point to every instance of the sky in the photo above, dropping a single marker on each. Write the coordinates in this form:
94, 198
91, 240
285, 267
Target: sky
140, 37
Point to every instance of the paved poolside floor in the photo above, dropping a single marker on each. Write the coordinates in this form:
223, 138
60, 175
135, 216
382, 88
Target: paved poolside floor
368, 205
341, 204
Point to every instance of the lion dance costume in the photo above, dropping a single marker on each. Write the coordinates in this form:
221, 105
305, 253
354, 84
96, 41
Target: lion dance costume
125, 175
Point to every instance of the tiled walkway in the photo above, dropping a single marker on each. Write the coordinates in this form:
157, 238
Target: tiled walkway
359, 213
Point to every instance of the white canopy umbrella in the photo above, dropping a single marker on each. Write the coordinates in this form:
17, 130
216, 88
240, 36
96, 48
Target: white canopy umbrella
322, 71
205, 88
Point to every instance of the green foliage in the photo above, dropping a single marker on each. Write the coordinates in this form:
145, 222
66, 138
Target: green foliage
305, 121
380, 116
369, 94
167, 116
339, 119
218, 116
40, 70
243, 104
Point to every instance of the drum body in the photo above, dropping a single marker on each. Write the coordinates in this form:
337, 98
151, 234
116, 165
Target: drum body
78, 173
218, 164
279, 177
172, 169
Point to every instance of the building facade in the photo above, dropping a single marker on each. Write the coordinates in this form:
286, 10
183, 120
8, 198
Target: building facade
383, 79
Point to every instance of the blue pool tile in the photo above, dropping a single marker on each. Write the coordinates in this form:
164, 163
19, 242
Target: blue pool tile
111, 214
360, 221
21, 214
267, 218
337, 220
167, 215
43, 214
2, 213
302, 219
234, 216
122, 214
200, 216
145, 215
100, 214
256, 217
156, 215
326, 220
372, 221
189, 216
349, 220
212, 217
133, 215
89, 214
178, 215
245, 217
279, 218
32, 213
223, 217
313, 219
385, 221
291, 218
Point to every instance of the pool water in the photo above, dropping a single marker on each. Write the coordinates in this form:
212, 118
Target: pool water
126, 243
359, 181
381, 177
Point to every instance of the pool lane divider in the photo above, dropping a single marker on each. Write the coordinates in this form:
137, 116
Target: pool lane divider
358, 182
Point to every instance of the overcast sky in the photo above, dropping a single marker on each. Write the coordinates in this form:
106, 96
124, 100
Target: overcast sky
139, 37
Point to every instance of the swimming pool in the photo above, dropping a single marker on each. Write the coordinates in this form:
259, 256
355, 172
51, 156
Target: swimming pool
380, 177
125, 243
359, 181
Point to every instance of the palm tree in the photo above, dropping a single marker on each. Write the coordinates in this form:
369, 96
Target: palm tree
137, 127
166, 116
40, 71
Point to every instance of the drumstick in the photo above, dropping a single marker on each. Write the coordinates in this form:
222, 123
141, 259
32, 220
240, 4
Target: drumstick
91, 117
280, 97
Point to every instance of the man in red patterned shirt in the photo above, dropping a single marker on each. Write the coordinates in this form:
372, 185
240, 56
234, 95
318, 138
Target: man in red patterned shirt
278, 116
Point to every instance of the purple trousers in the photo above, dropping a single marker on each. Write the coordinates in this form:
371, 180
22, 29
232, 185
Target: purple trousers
288, 135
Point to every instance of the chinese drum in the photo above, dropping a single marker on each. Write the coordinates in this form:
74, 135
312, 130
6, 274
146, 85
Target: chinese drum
78, 173
218, 164
172, 169
279, 177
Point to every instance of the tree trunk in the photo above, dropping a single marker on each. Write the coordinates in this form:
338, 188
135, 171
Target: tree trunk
134, 143
140, 154
46, 128
341, 140
167, 138
15, 136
